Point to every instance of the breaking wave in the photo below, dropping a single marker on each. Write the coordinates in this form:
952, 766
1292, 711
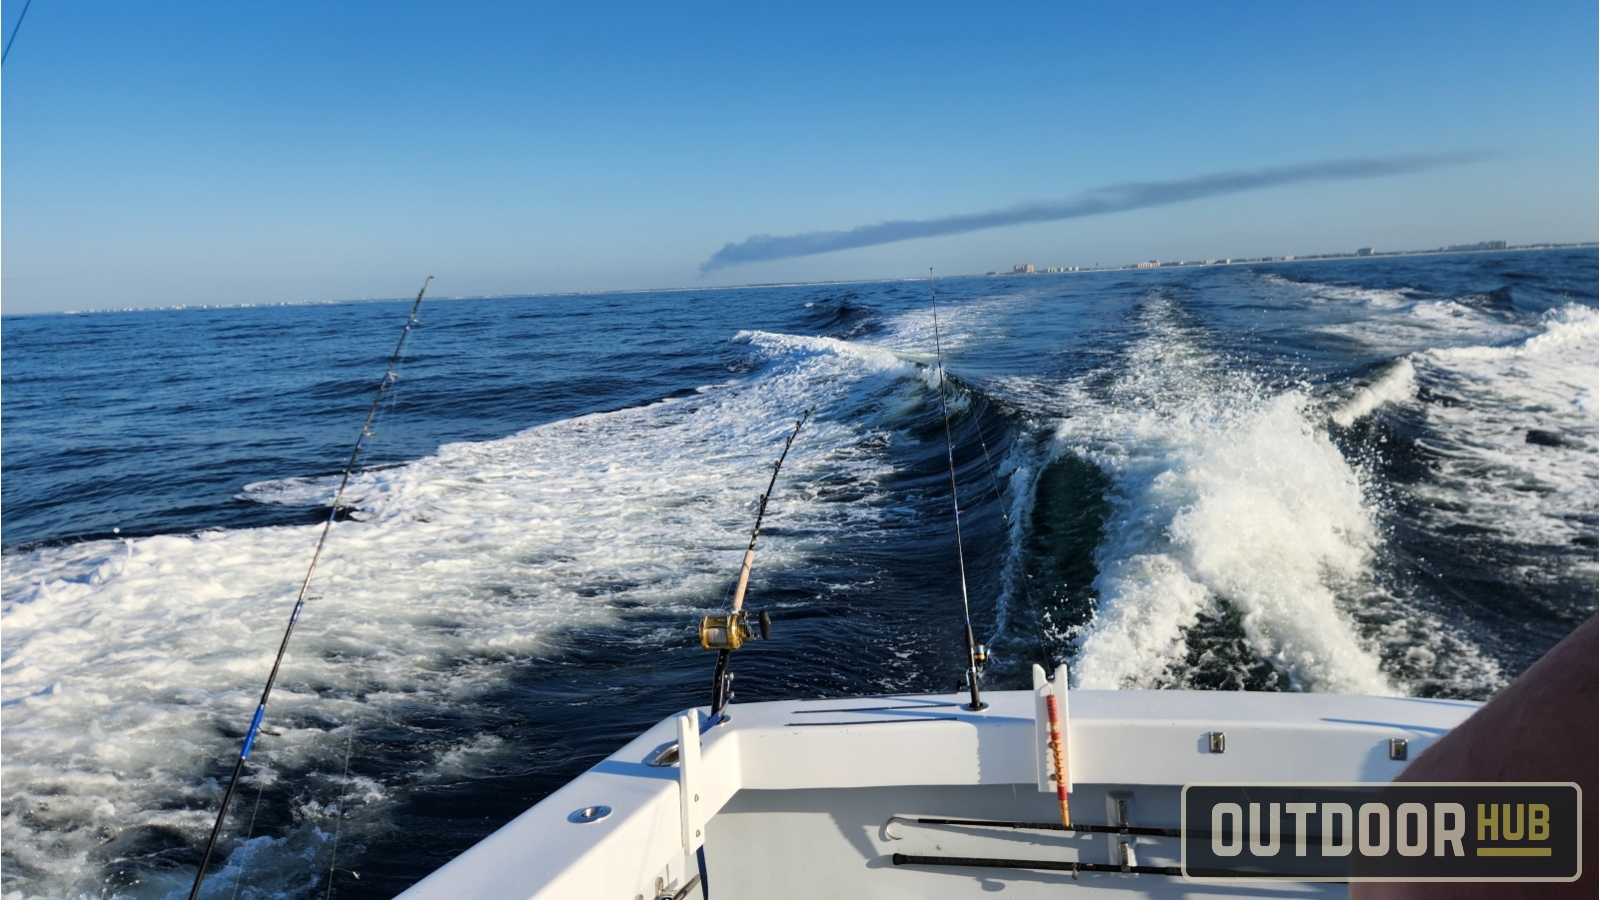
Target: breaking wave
1224, 493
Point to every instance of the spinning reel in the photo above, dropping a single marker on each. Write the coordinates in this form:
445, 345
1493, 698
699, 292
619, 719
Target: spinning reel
977, 662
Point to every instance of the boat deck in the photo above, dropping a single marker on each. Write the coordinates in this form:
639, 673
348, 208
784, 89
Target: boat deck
800, 798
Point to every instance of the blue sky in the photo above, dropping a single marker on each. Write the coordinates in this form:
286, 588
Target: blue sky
166, 153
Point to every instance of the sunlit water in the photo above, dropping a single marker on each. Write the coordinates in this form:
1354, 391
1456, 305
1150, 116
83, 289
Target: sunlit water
1373, 476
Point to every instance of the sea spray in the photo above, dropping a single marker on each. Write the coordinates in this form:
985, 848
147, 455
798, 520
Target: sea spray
1398, 384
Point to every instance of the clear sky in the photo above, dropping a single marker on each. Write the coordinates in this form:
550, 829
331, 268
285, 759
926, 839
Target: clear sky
170, 152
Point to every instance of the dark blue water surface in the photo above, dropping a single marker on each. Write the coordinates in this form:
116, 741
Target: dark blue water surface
1414, 439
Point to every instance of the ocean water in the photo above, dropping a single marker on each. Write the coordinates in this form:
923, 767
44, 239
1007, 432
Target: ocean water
1369, 476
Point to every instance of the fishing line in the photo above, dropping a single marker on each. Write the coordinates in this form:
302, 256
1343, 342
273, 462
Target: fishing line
238, 880
386, 459
338, 824
955, 501
977, 421
388, 455
1005, 516
300, 599
994, 478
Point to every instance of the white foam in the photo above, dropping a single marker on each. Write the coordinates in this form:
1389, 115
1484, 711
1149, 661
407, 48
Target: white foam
1432, 323
1487, 475
300, 491
1494, 379
1223, 490
123, 658
1227, 490
1372, 298
1398, 321
910, 334
1396, 385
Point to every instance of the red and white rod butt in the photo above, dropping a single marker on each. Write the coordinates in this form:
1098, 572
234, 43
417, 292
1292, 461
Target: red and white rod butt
1058, 760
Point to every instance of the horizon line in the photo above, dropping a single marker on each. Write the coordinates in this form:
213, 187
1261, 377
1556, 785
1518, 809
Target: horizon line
1083, 270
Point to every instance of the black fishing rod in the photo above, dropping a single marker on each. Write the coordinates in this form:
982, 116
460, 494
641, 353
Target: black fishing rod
905, 859
728, 633
1046, 826
300, 600
977, 654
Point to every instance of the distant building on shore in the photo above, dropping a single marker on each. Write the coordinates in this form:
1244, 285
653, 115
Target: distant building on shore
1029, 269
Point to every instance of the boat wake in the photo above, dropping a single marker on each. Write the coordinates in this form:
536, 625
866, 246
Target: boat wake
131, 666
1224, 506
1195, 523
1152, 489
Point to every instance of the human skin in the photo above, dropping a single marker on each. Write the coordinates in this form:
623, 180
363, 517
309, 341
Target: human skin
1540, 727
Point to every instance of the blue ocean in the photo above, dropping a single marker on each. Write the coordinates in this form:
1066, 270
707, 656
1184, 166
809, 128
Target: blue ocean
1371, 476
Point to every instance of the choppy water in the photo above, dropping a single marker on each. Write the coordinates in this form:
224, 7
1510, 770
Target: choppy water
1373, 476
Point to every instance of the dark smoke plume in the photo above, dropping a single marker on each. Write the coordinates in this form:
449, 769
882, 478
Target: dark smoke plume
1115, 198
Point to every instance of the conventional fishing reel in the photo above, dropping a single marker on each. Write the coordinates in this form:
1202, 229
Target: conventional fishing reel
726, 634
730, 632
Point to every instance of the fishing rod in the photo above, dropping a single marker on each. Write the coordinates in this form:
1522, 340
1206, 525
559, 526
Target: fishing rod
388, 381
977, 654
728, 633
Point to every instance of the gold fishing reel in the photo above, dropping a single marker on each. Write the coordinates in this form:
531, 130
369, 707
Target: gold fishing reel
730, 632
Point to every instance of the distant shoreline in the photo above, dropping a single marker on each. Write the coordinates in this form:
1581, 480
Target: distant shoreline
1068, 270
1259, 260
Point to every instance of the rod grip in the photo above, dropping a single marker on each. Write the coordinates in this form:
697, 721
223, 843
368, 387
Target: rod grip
744, 579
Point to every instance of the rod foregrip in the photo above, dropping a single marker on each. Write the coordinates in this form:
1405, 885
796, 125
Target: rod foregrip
744, 579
